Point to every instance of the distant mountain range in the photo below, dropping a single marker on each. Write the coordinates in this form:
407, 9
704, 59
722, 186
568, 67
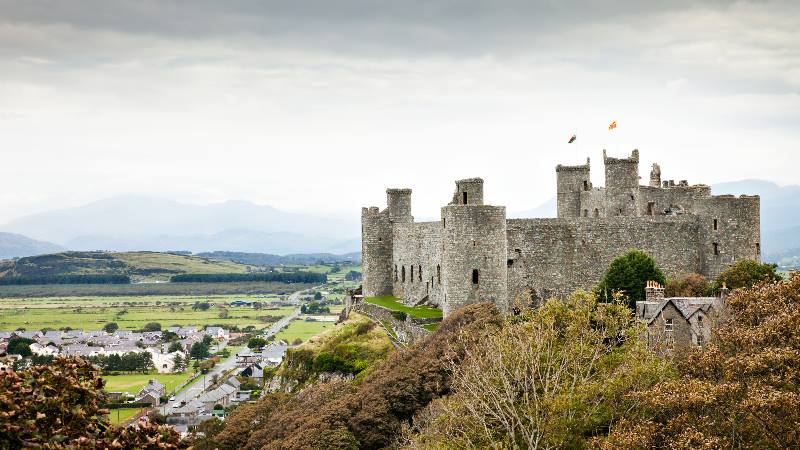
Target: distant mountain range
130, 223
16, 245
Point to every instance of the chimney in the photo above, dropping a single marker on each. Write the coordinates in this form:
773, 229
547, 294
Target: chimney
654, 292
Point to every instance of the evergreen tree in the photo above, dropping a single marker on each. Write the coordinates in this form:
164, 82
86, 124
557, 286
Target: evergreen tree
629, 274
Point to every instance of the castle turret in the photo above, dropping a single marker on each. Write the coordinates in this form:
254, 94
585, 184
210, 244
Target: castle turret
474, 253
622, 184
468, 192
376, 252
571, 181
398, 202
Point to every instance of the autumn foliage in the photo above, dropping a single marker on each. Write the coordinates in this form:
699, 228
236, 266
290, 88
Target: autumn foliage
740, 391
59, 406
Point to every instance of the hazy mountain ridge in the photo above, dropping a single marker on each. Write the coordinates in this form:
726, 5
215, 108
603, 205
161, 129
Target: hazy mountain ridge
16, 245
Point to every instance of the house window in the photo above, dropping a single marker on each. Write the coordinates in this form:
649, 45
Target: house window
438, 274
668, 325
716, 248
412, 273
403, 274
700, 340
474, 276
700, 321
716, 225
465, 197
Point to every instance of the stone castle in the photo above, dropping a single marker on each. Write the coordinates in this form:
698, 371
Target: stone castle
474, 253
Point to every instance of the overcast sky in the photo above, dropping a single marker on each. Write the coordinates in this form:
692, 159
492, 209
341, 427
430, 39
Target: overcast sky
318, 106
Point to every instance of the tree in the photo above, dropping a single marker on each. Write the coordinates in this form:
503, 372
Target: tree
318, 295
629, 274
152, 326
223, 313
59, 406
256, 342
741, 390
178, 363
549, 378
208, 340
110, 327
747, 273
19, 346
175, 346
691, 285
202, 306
199, 351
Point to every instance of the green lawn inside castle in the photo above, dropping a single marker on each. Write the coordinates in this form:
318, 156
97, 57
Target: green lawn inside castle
396, 304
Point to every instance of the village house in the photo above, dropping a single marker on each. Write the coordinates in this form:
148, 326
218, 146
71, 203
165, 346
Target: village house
680, 321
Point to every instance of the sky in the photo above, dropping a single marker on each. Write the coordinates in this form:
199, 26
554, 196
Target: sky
319, 106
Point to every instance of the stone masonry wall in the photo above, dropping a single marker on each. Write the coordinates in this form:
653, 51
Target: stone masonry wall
418, 245
557, 256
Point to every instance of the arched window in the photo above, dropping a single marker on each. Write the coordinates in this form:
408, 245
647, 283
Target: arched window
438, 274
403, 274
474, 276
412, 273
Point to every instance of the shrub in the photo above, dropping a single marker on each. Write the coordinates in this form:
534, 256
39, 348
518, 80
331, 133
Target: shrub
399, 315
747, 273
691, 285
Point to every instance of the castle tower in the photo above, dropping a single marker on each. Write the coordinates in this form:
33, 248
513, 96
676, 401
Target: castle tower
571, 181
622, 184
398, 202
468, 192
474, 253
376, 252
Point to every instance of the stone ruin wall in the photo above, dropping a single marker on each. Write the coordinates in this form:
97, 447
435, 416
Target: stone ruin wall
418, 245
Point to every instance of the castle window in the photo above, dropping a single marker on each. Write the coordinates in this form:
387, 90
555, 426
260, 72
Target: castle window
585, 185
716, 248
427, 287
651, 206
380, 239
716, 225
596, 212
632, 197
403, 274
412, 273
420, 273
474, 276
758, 248
438, 274
510, 262
395, 272
465, 198
668, 325
585, 213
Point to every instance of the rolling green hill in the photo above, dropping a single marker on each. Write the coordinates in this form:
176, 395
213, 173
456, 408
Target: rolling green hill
140, 266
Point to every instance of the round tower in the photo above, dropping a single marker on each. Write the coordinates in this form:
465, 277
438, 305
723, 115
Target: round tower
570, 182
376, 252
474, 256
398, 202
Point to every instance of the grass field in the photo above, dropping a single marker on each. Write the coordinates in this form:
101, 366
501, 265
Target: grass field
152, 289
133, 383
121, 415
299, 328
91, 313
394, 304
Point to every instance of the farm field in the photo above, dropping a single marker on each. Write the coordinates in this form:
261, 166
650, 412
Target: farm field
133, 383
121, 415
299, 328
91, 313
150, 289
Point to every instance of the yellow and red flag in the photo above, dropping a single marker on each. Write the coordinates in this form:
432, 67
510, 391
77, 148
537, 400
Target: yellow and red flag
572, 139
612, 125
